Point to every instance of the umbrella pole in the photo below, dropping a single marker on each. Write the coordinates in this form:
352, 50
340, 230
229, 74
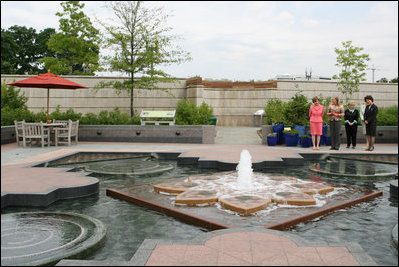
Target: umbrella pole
48, 103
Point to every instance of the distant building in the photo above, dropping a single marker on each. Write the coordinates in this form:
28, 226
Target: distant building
291, 77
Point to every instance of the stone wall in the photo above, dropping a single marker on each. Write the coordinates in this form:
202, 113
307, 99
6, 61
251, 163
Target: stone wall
234, 103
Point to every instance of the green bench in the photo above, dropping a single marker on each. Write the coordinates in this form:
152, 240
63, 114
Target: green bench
157, 117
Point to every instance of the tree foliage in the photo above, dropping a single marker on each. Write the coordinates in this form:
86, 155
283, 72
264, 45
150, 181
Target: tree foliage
296, 111
22, 48
76, 46
352, 64
141, 44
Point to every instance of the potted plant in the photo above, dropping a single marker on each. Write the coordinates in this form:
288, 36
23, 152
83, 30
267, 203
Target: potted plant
272, 139
291, 137
305, 140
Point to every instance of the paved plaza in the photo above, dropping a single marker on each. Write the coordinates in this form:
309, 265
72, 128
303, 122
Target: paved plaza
248, 246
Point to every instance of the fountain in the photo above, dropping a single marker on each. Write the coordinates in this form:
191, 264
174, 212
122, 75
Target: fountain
244, 170
243, 198
243, 191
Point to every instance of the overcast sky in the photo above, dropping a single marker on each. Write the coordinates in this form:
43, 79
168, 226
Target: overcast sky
244, 40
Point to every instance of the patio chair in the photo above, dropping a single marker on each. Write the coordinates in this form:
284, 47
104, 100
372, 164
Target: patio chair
33, 131
19, 132
65, 135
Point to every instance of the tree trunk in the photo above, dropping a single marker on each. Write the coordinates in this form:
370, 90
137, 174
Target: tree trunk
131, 96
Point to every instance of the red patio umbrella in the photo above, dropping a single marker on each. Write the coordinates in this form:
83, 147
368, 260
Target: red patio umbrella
49, 81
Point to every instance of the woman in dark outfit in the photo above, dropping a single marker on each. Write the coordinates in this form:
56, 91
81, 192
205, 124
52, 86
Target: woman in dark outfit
370, 119
351, 117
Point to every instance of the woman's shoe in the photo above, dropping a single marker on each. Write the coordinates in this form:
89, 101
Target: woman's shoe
347, 146
314, 148
353, 147
318, 148
371, 148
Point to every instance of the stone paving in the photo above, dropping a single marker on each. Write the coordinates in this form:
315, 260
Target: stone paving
222, 247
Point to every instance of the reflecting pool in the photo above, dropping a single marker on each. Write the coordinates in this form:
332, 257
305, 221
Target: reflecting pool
369, 223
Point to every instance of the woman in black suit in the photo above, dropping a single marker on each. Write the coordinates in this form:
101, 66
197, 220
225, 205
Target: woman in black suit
351, 117
370, 119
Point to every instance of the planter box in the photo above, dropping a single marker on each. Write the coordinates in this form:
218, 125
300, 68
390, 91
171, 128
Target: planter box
305, 142
199, 134
272, 140
291, 140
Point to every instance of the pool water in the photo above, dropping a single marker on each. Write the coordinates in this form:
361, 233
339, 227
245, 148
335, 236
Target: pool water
369, 224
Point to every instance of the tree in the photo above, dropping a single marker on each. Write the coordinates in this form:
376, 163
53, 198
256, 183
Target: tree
21, 49
352, 66
383, 80
76, 47
8, 53
141, 44
394, 80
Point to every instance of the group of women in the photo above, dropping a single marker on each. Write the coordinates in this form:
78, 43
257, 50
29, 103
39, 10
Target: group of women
336, 112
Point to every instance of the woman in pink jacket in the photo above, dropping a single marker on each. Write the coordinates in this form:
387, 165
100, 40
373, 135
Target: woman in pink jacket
316, 113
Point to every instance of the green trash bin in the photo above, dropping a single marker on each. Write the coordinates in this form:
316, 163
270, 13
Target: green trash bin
212, 120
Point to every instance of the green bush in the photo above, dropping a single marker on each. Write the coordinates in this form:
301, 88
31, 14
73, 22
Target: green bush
325, 102
296, 111
89, 119
11, 97
187, 113
387, 116
13, 106
115, 117
274, 111
8, 115
291, 132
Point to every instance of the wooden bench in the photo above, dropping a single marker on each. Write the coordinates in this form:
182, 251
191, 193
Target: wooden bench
157, 117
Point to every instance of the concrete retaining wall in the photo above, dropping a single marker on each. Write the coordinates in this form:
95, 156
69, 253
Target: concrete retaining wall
200, 134
234, 103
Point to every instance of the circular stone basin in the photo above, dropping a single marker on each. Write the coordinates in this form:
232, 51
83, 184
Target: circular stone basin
354, 169
196, 197
128, 167
245, 205
174, 188
294, 198
313, 188
44, 238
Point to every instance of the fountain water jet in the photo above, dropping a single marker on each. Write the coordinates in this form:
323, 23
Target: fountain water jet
244, 170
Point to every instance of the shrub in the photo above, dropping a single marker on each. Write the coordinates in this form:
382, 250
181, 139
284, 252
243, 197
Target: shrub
114, 117
8, 115
292, 132
13, 106
387, 116
89, 119
296, 111
274, 111
11, 97
325, 102
69, 114
187, 113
